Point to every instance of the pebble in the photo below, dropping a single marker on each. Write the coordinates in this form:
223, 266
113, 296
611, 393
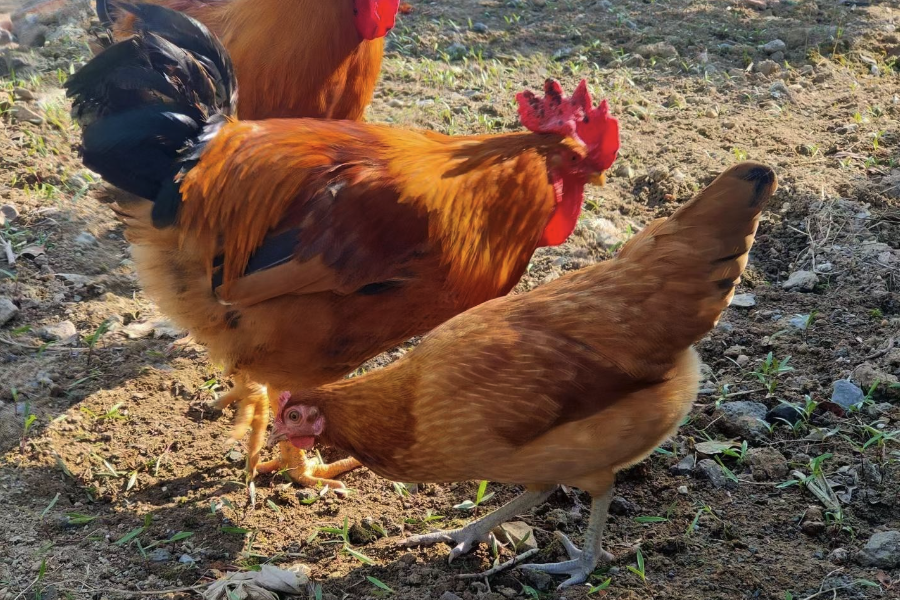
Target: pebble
396, 103
625, 170
710, 470
5, 40
685, 466
782, 413
767, 464
774, 46
449, 596
767, 67
623, 506
557, 517
882, 551
846, 394
8, 311
160, 555
659, 49
838, 556
85, 239
8, 214
457, 51
742, 360
480, 28
683, 490
779, 90
63, 331
744, 300
743, 419
801, 281
518, 534
186, 559
23, 114
801, 322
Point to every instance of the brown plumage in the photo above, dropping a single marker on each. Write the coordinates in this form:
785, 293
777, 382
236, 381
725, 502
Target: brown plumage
566, 384
293, 58
295, 250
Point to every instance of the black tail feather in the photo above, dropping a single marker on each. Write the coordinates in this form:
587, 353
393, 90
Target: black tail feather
148, 104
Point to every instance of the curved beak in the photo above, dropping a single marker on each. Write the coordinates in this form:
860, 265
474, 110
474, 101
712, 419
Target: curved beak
598, 179
277, 435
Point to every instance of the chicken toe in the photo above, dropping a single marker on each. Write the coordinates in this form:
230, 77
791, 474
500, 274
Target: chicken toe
582, 562
307, 471
468, 537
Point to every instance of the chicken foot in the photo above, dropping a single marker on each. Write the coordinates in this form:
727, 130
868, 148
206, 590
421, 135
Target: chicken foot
253, 414
466, 538
583, 562
307, 471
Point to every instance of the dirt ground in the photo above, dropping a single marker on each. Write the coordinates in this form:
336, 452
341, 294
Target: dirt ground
112, 479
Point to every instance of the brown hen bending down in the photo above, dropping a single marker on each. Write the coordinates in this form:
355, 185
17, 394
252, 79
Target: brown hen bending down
566, 384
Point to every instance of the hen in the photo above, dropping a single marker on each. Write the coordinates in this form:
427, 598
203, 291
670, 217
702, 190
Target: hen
298, 249
566, 384
294, 58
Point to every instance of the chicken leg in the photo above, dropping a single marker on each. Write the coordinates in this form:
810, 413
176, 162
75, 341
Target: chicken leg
479, 531
583, 562
253, 414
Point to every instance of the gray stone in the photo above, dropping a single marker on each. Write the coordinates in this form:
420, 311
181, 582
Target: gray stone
480, 28
160, 555
518, 534
457, 51
186, 559
801, 281
85, 239
744, 300
882, 551
710, 470
623, 506
23, 114
685, 466
8, 214
62, 332
773, 47
767, 464
766, 67
8, 311
449, 596
846, 394
839, 556
744, 419
659, 49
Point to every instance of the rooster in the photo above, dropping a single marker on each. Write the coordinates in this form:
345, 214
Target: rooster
294, 58
297, 249
566, 384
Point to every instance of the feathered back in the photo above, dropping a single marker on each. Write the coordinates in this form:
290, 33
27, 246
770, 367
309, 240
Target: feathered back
144, 103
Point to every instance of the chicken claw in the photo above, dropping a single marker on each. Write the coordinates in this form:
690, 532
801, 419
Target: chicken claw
307, 471
479, 531
583, 562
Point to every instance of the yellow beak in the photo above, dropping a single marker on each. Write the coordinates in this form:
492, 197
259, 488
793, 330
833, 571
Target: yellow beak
598, 179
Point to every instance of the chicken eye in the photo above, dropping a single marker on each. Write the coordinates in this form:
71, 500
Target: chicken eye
294, 416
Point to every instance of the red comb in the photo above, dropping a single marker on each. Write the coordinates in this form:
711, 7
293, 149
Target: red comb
573, 117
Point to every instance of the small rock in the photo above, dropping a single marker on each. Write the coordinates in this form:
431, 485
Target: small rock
683, 490
85, 239
767, 464
801, 322
457, 51
235, 456
779, 90
734, 351
839, 556
24, 94
882, 551
625, 170
685, 466
766, 67
744, 419
160, 555
784, 412
557, 518
480, 28
396, 103
518, 534
846, 394
543, 582
742, 360
710, 470
658, 174
5, 40
876, 410
867, 375
659, 49
449, 596
62, 332
773, 47
744, 300
186, 559
8, 311
8, 214
23, 114
622, 506
812, 528
801, 281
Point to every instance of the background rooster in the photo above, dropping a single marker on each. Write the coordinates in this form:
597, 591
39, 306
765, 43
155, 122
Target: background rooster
298, 249
566, 384
294, 58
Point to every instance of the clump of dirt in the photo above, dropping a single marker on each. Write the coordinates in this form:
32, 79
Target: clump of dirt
114, 479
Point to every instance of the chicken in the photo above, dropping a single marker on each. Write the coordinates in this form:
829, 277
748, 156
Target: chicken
566, 384
294, 58
296, 250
